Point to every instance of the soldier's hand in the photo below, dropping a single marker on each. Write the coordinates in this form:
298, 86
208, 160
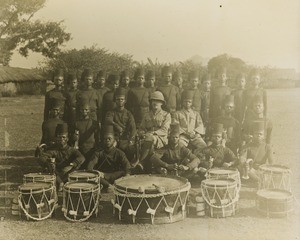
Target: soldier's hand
66, 169
202, 170
172, 167
227, 165
183, 168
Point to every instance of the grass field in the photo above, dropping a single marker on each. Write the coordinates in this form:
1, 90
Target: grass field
24, 118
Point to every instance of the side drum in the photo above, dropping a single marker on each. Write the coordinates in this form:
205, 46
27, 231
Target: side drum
84, 176
274, 202
221, 197
37, 200
152, 199
80, 200
39, 177
224, 173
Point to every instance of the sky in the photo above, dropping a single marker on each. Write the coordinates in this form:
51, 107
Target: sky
261, 32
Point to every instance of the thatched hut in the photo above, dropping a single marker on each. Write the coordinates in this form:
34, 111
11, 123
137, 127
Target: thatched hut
19, 81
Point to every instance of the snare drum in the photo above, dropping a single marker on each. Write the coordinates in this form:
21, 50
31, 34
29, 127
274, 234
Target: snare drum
221, 197
224, 173
84, 176
274, 202
80, 200
151, 198
39, 177
37, 200
274, 177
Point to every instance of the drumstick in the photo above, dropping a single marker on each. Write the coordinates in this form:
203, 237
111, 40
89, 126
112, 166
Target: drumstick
159, 188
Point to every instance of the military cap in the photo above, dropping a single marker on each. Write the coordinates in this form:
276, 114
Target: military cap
120, 91
257, 99
61, 129
87, 73
84, 103
108, 129
55, 103
157, 95
217, 128
139, 72
177, 74
193, 74
187, 95
166, 70
206, 78
125, 74
150, 74
101, 74
174, 128
113, 77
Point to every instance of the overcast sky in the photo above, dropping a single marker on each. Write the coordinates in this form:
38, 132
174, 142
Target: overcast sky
261, 32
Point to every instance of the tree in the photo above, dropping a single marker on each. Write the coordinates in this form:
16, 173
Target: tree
19, 32
93, 57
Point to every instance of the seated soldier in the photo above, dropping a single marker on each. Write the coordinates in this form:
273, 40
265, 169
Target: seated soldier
190, 122
153, 129
176, 157
49, 125
86, 133
216, 155
123, 123
230, 124
255, 153
67, 158
111, 161
257, 114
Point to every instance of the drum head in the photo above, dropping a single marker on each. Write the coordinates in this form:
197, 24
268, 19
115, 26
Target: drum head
221, 171
150, 183
219, 182
83, 174
274, 168
34, 186
80, 185
274, 194
39, 176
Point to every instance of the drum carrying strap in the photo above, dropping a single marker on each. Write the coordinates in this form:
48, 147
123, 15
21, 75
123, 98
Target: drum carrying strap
38, 205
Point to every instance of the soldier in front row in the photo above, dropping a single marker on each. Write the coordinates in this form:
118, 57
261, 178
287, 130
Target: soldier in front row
111, 161
67, 159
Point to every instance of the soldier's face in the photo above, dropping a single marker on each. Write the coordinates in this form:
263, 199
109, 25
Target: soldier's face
55, 112
89, 81
216, 138
116, 84
228, 107
195, 82
255, 80
109, 140
259, 136
206, 85
126, 81
101, 81
120, 101
152, 81
187, 104
242, 83
223, 79
140, 80
62, 139
258, 108
58, 80
156, 105
179, 81
174, 139
168, 77
74, 83
85, 111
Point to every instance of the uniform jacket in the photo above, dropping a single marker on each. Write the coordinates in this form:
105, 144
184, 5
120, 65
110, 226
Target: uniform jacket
217, 97
171, 95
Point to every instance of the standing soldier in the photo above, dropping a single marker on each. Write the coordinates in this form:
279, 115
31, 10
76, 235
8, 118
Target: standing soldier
138, 97
101, 90
151, 81
238, 98
170, 92
231, 125
125, 81
71, 104
123, 122
190, 123
49, 125
88, 94
178, 80
154, 129
86, 132
108, 102
194, 82
218, 95
253, 91
56, 93
205, 99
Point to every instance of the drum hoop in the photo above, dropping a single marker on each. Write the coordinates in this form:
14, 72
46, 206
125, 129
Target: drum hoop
96, 173
232, 181
230, 171
67, 187
283, 169
288, 196
49, 187
150, 192
26, 177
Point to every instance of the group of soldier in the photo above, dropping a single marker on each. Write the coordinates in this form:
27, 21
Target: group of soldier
119, 125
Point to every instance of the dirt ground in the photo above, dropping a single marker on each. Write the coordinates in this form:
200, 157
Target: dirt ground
24, 123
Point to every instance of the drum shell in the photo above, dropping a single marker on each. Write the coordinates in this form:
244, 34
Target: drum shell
272, 207
274, 177
26, 197
214, 206
141, 202
224, 174
85, 199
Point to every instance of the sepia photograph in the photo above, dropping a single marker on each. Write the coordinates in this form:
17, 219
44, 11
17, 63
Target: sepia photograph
149, 119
